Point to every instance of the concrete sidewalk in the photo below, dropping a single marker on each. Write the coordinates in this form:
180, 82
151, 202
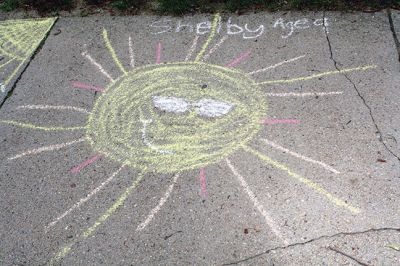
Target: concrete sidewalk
256, 139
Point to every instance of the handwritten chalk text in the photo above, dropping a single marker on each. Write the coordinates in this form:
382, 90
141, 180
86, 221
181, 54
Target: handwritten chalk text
247, 31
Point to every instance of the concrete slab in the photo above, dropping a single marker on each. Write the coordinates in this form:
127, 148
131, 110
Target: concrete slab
19, 39
396, 20
121, 146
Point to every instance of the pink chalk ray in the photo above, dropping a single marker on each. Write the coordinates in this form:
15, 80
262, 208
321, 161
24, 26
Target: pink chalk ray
84, 86
86, 163
240, 58
280, 121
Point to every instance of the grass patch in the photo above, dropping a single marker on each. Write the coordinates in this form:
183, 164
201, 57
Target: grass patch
180, 7
177, 7
127, 4
9, 5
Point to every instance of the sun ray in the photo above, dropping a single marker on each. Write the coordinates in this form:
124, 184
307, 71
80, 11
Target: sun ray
88, 232
304, 158
192, 48
14, 73
304, 94
80, 85
203, 183
6, 63
280, 121
158, 53
240, 58
97, 65
131, 53
32, 126
88, 162
85, 199
215, 48
112, 51
276, 65
154, 211
214, 25
53, 107
328, 73
270, 222
46, 148
306, 181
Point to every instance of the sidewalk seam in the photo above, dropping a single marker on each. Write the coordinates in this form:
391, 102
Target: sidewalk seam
395, 39
378, 131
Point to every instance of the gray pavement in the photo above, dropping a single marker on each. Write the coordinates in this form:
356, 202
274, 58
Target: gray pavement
296, 164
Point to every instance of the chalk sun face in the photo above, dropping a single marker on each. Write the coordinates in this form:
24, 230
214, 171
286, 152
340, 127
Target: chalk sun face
173, 117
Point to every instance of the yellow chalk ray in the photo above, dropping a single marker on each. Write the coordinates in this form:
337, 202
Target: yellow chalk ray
112, 51
88, 232
217, 18
306, 181
20, 38
32, 126
328, 73
6, 63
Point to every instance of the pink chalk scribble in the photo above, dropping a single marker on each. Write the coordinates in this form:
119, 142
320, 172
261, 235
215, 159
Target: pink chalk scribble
89, 161
158, 53
280, 121
80, 85
203, 183
240, 58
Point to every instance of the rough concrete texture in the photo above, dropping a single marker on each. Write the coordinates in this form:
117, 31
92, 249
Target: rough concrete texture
330, 197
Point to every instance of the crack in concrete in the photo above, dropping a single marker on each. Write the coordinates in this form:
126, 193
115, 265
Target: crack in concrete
378, 131
31, 58
347, 255
395, 39
314, 240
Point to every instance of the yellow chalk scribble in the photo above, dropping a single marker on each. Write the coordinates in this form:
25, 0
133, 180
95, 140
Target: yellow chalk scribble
19, 39
306, 181
32, 126
115, 126
214, 26
329, 73
394, 246
112, 51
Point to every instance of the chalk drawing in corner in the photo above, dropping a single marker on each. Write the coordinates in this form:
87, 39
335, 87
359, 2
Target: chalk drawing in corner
181, 116
18, 40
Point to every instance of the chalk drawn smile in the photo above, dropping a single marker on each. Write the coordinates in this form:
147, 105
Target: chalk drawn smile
185, 127
146, 140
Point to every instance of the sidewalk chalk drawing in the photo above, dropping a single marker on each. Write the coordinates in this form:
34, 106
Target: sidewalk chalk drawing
18, 40
180, 116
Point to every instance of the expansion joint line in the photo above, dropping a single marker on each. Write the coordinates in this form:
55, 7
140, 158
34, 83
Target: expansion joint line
395, 38
378, 130
323, 237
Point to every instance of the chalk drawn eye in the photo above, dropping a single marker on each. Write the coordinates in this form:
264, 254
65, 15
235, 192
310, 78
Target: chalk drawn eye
170, 104
212, 108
